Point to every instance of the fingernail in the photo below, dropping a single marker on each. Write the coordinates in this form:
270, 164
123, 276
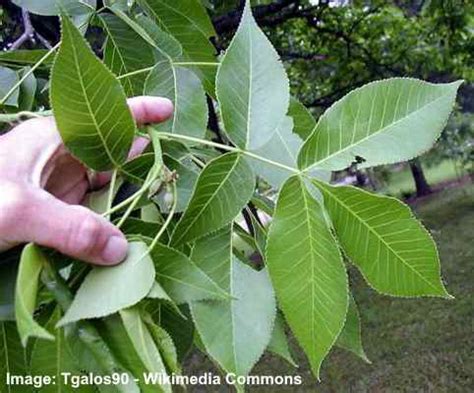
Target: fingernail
115, 250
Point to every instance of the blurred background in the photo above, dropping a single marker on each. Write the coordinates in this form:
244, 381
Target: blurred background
330, 48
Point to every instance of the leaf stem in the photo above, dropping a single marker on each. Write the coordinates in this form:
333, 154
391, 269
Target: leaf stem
167, 135
111, 195
136, 72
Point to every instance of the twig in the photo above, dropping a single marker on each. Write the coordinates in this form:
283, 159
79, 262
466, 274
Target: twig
29, 33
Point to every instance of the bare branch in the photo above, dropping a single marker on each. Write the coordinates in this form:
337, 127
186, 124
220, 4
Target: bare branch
29, 33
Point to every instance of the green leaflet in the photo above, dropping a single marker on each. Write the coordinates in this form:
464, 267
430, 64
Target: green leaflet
251, 86
394, 252
118, 340
31, 264
180, 330
302, 118
125, 51
28, 88
143, 343
382, 122
164, 42
184, 89
13, 357
181, 278
106, 290
59, 356
278, 343
188, 22
89, 104
307, 271
224, 186
8, 79
236, 332
350, 337
165, 345
211, 254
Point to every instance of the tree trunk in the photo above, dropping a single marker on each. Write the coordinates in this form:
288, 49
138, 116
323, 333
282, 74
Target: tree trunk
422, 186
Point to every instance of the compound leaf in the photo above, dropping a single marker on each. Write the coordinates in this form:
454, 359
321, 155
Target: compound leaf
307, 271
252, 87
394, 252
26, 291
382, 122
224, 186
106, 290
89, 104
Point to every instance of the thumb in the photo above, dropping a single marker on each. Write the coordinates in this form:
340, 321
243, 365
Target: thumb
73, 230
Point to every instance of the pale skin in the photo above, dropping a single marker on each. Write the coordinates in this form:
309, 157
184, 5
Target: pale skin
42, 187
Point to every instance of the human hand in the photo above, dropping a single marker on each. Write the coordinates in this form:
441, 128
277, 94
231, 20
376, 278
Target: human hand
42, 185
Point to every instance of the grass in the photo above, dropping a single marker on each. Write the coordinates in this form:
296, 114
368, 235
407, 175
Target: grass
402, 182
415, 345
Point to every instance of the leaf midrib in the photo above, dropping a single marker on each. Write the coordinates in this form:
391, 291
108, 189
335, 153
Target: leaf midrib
315, 164
379, 237
197, 216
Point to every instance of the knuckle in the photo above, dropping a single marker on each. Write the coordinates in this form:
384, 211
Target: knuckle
84, 236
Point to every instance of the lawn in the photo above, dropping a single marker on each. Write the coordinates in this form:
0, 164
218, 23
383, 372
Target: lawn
415, 345
402, 182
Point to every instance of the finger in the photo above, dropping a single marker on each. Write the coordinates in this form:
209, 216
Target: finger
72, 230
148, 109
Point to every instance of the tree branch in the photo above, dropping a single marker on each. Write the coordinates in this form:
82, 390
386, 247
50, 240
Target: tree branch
29, 33
229, 22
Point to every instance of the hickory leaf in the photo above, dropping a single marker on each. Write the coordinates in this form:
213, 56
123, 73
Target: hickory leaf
236, 332
125, 51
251, 86
26, 291
224, 186
89, 104
350, 337
211, 254
144, 344
184, 89
382, 122
394, 252
181, 278
307, 271
13, 357
279, 343
8, 79
188, 22
106, 290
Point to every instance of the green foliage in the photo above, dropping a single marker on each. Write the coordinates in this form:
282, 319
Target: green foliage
312, 290
89, 104
197, 184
